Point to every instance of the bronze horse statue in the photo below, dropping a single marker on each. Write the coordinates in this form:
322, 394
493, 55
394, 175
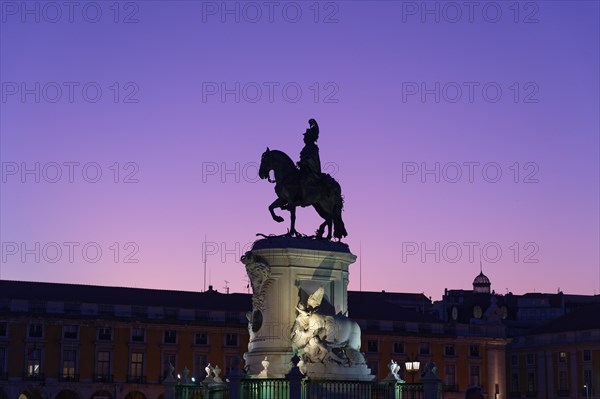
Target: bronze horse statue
328, 202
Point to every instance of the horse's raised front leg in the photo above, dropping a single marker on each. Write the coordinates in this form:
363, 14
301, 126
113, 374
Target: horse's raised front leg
278, 203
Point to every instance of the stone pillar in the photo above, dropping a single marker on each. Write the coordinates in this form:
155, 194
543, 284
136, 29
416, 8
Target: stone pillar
282, 271
235, 381
295, 378
541, 375
169, 386
432, 385
496, 367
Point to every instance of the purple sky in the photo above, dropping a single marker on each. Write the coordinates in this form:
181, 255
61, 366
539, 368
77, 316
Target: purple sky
192, 94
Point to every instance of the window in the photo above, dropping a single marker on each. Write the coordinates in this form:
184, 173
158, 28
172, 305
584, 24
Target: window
169, 359
232, 362
562, 381
201, 339
424, 348
514, 361
474, 350
103, 363
514, 383
562, 357
68, 365
531, 385
587, 355
474, 376
70, 332
137, 335
137, 364
372, 346
398, 347
530, 359
2, 361
34, 360
449, 350
3, 329
170, 337
450, 374
104, 334
35, 331
200, 362
231, 339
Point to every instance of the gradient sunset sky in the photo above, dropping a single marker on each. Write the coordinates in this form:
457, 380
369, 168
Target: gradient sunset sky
174, 103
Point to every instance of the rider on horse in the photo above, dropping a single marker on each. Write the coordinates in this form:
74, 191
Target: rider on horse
311, 182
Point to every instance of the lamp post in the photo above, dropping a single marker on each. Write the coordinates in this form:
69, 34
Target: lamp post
412, 367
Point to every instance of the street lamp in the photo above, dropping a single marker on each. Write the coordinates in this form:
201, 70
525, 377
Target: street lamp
412, 367
587, 392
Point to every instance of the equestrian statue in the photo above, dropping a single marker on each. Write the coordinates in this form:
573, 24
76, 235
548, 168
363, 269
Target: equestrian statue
303, 184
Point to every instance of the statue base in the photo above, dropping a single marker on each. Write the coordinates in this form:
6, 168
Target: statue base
284, 272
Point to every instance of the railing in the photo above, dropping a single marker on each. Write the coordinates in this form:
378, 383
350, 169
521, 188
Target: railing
202, 391
103, 378
322, 389
69, 377
409, 391
265, 388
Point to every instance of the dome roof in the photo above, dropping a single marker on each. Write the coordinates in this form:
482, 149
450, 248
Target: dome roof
481, 279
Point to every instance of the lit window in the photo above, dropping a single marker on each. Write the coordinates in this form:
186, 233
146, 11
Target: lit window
34, 359
137, 364
562, 357
68, 369
103, 364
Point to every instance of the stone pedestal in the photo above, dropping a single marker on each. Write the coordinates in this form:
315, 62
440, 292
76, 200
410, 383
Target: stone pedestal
284, 271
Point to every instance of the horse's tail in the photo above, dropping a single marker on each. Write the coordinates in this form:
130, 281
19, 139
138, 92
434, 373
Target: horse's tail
339, 229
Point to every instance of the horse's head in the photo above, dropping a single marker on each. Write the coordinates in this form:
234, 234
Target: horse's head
266, 164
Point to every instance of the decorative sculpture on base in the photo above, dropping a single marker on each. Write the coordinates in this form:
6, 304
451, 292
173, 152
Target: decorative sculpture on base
331, 342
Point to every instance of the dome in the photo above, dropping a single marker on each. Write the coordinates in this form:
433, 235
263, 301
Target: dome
482, 284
